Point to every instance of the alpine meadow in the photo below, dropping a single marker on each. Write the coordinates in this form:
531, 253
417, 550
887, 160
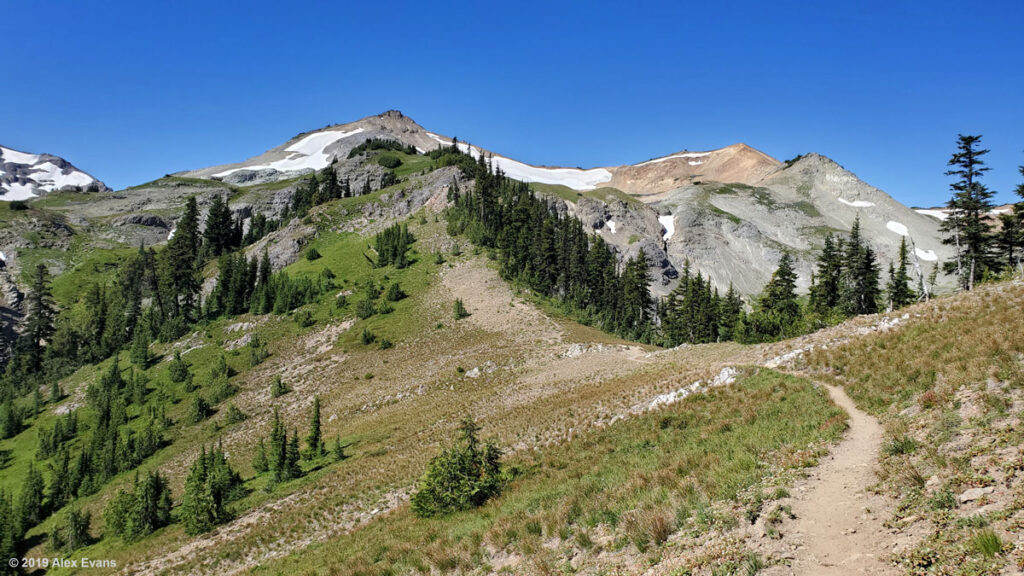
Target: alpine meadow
377, 349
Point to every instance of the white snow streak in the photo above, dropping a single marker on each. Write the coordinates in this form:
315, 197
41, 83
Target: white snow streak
857, 203
674, 156
940, 214
574, 178
928, 255
670, 225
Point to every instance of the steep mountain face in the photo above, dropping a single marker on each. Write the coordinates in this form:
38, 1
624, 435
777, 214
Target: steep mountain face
736, 163
24, 176
730, 212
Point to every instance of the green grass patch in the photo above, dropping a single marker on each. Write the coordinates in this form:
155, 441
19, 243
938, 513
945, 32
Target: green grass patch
642, 478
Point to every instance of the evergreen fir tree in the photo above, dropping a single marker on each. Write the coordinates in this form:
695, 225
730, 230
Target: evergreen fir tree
314, 440
178, 369
338, 450
825, 295
260, 464
9, 534
140, 349
777, 314
30, 508
292, 456
966, 227
898, 289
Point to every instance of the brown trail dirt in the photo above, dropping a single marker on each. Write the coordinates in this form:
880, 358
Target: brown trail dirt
838, 529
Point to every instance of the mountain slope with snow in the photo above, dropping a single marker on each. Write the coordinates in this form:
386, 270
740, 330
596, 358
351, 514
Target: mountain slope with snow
24, 175
730, 212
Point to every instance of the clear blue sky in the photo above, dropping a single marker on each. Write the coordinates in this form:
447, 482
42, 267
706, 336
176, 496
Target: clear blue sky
132, 90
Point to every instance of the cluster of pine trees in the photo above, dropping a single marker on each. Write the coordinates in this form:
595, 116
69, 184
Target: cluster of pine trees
111, 316
280, 454
694, 312
210, 486
392, 246
372, 144
140, 511
550, 254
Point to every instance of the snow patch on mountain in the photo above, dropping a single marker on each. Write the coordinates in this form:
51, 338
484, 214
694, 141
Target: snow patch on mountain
897, 227
306, 154
857, 203
611, 226
670, 226
26, 175
928, 255
575, 178
940, 214
680, 155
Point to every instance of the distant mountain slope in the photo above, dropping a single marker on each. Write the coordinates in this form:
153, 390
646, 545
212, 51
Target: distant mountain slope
24, 175
730, 212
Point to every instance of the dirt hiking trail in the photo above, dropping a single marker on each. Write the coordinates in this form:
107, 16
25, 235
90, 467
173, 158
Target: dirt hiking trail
838, 526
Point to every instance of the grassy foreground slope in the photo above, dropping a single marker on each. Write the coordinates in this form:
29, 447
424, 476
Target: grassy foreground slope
949, 388
612, 497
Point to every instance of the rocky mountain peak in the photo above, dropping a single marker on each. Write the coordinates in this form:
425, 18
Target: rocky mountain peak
24, 175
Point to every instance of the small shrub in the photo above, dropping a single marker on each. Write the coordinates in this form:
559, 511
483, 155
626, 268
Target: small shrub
341, 301
394, 293
367, 337
234, 415
338, 450
278, 388
304, 318
460, 311
385, 344
986, 543
902, 445
178, 370
198, 410
257, 351
463, 476
365, 309
221, 389
312, 254
18, 205
942, 500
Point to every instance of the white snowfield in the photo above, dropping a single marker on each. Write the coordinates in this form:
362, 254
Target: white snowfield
611, 226
575, 178
857, 203
928, 255
680, 155
51, 178
940, 214
669, 223
307, 153
897, 228
19, 192
47, 176
18, 157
